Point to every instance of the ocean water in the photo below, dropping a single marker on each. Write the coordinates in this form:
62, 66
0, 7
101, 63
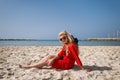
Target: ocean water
55, 43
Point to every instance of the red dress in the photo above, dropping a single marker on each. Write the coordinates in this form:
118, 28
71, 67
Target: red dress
67, 61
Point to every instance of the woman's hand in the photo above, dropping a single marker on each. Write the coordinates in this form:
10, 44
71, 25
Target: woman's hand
50, 62
85, 70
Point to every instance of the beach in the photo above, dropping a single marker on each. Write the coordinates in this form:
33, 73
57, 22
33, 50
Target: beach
104, 62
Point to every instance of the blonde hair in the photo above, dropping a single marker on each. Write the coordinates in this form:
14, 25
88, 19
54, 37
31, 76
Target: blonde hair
70, 38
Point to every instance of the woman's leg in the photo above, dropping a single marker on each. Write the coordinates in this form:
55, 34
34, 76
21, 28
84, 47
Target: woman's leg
40, 64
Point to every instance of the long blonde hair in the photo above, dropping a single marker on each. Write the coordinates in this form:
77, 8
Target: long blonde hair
70, 38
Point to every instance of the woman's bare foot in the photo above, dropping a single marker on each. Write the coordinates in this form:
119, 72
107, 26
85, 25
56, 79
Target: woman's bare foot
26, 67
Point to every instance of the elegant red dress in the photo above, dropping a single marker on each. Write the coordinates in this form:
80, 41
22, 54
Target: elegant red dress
68, 59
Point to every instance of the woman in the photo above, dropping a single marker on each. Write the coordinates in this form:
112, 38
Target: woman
65, 59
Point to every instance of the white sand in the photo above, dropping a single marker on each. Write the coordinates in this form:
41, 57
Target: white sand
103, 60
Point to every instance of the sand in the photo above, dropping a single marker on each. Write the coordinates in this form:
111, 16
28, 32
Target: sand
104, 61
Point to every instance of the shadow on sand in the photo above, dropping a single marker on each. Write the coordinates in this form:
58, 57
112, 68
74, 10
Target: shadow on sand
93, 68
76, 68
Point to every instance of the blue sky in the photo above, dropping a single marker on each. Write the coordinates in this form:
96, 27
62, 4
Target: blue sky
44, 19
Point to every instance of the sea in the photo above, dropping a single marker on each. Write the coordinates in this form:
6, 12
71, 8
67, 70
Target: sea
58, 43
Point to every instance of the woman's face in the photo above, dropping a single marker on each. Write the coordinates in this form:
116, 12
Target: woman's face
64, 39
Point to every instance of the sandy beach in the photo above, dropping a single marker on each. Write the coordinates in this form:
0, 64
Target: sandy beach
104, 61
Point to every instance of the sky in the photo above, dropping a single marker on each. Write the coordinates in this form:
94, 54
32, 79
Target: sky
44, 19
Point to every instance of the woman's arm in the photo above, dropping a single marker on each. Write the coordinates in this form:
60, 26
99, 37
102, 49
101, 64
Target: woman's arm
74, 51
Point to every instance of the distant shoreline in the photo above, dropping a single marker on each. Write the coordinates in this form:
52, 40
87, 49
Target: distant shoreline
27, 40
103, 38
36, 42
110, 39
16, 39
